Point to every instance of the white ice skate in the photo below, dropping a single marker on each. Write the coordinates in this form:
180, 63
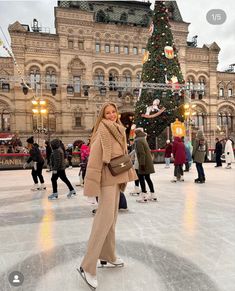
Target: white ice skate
118, 263
228, 167
43, 186
152, 197
135, 191
35, 187
143, 198
90, 280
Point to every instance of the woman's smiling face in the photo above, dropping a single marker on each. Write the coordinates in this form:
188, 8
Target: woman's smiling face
110, 113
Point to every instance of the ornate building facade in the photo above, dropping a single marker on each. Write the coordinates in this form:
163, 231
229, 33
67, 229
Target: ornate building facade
102, 43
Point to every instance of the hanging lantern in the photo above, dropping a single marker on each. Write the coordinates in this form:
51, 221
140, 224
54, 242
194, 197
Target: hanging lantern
145, 57
178, 128
169, 52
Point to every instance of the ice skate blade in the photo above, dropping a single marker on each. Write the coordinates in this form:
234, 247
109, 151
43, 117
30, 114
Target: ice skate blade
153, 200
104, 264
142, 201
84, 278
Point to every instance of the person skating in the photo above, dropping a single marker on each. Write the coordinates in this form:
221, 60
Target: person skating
58, 170
179, 155
200, 153
218, 153
108, 141
188, 151
167, 154
229, 154
38, 162
85, 151
146, 167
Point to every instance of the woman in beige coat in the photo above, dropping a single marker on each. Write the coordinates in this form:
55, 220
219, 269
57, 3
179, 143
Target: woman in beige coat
108, 141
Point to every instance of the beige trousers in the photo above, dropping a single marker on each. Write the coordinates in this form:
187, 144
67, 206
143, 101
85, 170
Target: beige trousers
101, 244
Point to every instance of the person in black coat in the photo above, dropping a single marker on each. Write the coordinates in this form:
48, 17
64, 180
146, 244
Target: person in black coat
58, 170
38, 162
218, 152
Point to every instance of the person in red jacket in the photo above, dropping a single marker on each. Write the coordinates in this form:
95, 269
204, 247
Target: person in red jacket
168, 152
179, 155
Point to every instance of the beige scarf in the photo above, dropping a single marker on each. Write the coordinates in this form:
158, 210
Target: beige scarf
106, 128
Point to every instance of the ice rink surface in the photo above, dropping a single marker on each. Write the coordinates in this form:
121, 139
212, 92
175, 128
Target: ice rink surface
183, 242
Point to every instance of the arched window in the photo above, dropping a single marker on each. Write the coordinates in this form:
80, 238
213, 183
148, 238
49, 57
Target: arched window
35, 78
100, 16
113, 80
225, 120
201, 87
127, 79
190, 85
123, 17
5, 120
230, 92
77, 84
50, 77
198, 119
202, 83
221, 92
99, 76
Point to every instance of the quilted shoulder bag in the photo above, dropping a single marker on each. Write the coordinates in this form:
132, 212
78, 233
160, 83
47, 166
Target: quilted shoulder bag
120, 164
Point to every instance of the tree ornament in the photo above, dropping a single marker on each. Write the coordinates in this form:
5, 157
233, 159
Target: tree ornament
169, 52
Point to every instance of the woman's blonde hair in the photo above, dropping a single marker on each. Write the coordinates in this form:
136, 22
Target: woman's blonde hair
101, 116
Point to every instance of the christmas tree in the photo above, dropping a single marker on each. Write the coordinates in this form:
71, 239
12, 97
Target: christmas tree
158, 107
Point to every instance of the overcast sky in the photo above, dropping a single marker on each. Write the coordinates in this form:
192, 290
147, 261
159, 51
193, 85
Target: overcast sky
192, 11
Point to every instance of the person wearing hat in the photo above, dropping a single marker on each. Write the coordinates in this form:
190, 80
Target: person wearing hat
168, 153
200, 154
146, 167
38, 162
58, 170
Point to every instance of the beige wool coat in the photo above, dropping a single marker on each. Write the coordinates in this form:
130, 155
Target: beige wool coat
105, 146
